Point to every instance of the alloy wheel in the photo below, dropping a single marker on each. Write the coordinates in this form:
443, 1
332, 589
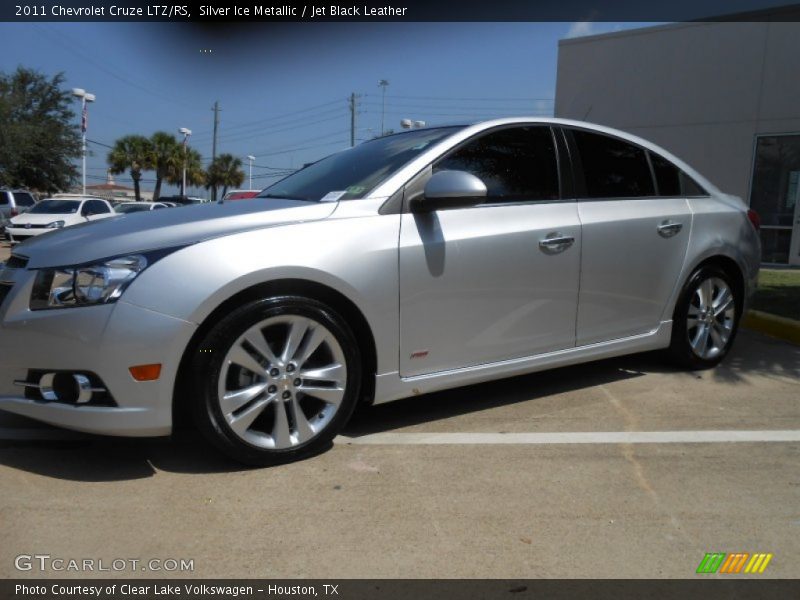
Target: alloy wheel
710, 318
282, 382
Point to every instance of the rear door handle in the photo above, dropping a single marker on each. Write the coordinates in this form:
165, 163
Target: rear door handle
667, 229
556, 242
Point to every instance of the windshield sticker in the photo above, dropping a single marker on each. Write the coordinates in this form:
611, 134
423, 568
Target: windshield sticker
355, 189
421, 145
332, 196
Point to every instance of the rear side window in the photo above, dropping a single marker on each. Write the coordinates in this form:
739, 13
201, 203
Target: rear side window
24, 200
690, 187
3, 198
516, 164
668, 176
613, 168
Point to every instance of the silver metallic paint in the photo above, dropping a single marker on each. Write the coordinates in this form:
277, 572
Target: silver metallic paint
383, 269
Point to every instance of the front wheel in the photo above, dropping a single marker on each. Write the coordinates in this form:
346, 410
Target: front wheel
276, 380
706, 319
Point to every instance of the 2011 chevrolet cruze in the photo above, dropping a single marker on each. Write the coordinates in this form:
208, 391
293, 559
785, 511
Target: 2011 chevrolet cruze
414, 262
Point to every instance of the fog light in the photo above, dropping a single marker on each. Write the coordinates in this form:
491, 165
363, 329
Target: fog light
146, 372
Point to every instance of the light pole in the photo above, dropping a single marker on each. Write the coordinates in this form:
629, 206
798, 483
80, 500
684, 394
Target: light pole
186, 133
384, 83
85, 97
251, 158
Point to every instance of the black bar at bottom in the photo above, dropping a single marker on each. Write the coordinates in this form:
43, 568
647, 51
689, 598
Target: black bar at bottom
398, 589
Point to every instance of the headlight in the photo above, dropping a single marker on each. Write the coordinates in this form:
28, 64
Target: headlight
55, 224
85, 285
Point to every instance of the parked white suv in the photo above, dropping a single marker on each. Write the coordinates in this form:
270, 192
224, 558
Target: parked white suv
54, 213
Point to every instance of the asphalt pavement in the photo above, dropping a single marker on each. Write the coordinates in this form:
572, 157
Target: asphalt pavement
621, 468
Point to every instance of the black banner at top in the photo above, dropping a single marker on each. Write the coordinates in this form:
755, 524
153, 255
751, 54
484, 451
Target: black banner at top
243, 11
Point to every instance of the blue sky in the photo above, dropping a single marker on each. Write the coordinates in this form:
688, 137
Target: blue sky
283, 90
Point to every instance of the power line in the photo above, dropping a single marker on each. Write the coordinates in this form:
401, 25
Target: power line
450, 98
279, 117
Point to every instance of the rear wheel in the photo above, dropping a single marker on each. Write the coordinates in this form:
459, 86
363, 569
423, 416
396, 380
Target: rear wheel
276, 380
706, 319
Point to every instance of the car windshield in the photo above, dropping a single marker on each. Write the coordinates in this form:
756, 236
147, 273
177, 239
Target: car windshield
353, 173
129, 208
56, 207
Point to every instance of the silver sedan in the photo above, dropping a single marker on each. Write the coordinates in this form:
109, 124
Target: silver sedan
411, 263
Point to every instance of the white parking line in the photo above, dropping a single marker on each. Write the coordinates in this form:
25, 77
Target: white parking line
580, 437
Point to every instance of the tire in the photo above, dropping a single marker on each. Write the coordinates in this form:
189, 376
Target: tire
264, 362
701, 339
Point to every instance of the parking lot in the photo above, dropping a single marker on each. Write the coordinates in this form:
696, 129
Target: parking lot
485, 492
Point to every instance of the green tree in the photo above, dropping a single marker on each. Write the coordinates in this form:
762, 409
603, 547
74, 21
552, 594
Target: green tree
166, 155
195, 175
131, 152
39, 138
226, 171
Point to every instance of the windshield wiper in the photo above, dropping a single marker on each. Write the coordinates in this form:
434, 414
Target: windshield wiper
287, 197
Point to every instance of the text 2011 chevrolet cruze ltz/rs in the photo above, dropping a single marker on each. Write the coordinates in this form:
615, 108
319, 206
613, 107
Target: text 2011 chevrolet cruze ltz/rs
411, 263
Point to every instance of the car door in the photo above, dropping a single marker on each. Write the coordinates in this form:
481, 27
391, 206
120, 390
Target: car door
635, 233
495, 281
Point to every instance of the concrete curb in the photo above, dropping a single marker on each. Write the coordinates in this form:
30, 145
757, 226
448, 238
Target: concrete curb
772, 325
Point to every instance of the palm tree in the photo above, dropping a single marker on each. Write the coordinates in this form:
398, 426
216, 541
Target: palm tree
130, 152
225, 171
195, 175
166, 156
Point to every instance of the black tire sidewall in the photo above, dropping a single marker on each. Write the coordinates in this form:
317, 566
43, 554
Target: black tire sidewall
207, 367
680, 348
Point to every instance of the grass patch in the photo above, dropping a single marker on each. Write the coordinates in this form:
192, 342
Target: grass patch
778, 292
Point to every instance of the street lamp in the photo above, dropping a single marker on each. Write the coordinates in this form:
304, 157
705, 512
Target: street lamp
384, 83
186, 133
85, 97
251, 158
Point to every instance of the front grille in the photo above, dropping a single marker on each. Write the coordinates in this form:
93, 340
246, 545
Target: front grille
17, 262
32, 226
20, 238
5, 288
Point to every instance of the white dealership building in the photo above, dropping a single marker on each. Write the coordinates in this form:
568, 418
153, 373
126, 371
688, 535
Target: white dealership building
724, 96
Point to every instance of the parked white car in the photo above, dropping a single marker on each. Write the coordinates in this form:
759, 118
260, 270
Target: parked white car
55, 213
132, 207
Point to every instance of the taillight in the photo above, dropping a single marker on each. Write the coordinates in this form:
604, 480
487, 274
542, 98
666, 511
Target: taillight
754, 218
14, 212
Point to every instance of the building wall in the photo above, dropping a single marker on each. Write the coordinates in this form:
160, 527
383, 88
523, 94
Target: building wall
701, 90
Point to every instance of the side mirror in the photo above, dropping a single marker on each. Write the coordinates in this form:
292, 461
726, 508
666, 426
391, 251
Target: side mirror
450, 189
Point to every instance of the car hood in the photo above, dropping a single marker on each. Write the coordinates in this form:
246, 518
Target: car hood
139, 232
43, 219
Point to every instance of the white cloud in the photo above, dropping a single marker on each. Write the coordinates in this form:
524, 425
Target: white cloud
582, 28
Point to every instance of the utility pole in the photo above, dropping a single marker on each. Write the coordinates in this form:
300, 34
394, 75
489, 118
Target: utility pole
353, 98
214, 147
383, 83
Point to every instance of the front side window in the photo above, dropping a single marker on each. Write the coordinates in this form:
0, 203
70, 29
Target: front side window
96, 207
613, 168
516, 164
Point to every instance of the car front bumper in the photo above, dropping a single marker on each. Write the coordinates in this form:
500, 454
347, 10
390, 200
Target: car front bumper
20, 234
103, 340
